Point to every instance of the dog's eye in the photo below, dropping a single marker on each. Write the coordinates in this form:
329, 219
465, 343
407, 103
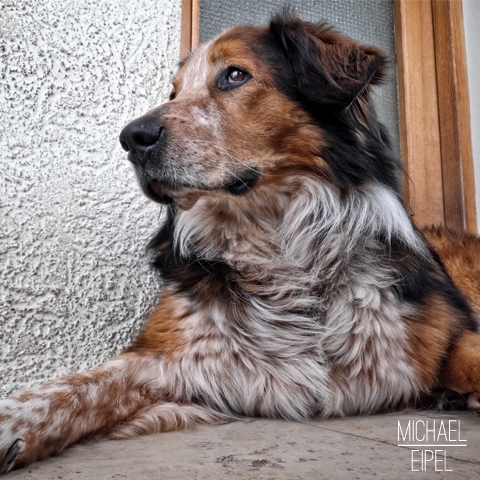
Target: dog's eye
236, 76
232, 77
173, 94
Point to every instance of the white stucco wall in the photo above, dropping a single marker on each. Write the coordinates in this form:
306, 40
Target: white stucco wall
74, 284
471, 19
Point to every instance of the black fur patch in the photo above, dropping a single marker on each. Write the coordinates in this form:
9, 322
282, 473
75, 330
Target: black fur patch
449, 291
191, 276
326, 73
241, 185
419, 278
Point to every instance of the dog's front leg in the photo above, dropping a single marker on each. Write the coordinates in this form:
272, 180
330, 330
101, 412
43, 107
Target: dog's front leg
124, 397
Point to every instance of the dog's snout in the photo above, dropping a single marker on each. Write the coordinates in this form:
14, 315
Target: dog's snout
140, 136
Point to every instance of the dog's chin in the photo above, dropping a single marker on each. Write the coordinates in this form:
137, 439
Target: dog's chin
157, 192
164, 194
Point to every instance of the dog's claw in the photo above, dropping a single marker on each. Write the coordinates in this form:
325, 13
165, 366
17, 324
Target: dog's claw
7, 463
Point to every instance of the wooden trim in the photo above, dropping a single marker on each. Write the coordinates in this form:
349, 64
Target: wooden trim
462, 112
448, 114
195, 22
434, 113
190, 24
419, 124
454, 114
408, 186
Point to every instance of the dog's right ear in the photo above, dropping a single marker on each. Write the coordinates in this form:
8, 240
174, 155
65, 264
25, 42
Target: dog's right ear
330, 69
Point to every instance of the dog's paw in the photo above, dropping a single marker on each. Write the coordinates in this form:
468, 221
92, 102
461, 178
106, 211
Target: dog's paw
7, 460
33, 426
18, 435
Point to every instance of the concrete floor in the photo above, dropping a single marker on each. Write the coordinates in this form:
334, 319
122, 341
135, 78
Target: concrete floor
351, 448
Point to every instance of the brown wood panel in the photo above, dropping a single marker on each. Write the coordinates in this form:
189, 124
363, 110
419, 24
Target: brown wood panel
434, 113
186, 34
419, 117
408, 185
463, 110
195, 22
454, 115
448, 115
190, 24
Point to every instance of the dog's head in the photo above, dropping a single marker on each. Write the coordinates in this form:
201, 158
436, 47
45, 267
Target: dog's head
259, 106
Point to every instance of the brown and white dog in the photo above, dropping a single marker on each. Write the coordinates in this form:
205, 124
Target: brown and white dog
295, 284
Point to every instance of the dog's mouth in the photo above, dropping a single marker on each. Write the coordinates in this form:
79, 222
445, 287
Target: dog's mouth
159, 192
163, 192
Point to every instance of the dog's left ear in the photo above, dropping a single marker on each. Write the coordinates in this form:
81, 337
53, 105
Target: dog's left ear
330, 69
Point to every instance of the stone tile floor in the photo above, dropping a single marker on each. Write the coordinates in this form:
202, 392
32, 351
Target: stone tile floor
350, 448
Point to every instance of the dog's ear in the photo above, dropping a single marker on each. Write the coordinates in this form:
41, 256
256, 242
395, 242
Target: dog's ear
330, 69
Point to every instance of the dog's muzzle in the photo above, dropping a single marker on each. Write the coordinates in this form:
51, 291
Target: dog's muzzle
143, 139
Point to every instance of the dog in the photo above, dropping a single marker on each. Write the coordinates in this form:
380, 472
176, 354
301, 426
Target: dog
295, 284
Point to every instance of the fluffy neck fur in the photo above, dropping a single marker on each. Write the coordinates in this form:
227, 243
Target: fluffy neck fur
305, 231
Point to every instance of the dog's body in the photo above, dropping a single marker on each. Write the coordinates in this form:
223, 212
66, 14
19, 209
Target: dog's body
296, 285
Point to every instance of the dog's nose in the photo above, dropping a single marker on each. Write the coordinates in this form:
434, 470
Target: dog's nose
140, 136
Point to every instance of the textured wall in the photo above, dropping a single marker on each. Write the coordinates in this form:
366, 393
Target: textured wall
74, 284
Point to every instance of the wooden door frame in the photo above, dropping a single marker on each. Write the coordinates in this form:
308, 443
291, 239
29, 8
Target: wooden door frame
434, 106
190, 25
434, 109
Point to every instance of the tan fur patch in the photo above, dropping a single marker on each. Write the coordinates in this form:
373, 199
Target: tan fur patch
429, 334
460, 254
163, 333
463, 369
